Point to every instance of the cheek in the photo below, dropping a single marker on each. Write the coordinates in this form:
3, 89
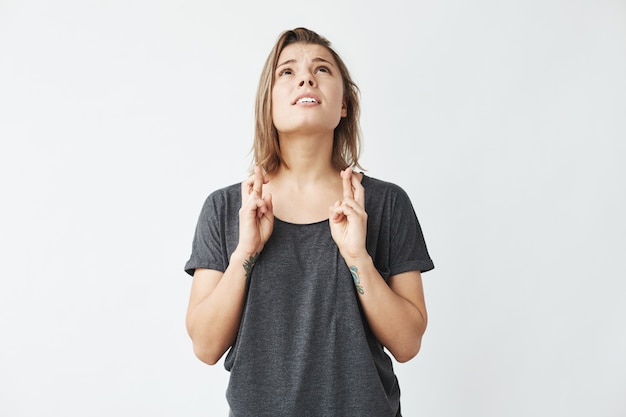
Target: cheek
274, 102
277, 110
278, 95
341, 99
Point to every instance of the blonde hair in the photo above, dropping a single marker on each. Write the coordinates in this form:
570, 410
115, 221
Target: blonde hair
347, 136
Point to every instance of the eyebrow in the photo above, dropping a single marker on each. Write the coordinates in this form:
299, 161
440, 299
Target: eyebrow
318, 59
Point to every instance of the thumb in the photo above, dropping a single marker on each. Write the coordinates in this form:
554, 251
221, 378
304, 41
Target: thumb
334, 215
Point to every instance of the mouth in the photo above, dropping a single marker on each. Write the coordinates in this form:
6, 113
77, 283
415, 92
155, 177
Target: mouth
307, 99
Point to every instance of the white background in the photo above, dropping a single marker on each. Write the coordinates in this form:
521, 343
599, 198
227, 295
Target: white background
504, 121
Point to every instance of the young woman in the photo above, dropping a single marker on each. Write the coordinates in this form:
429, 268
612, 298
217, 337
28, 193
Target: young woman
307, 271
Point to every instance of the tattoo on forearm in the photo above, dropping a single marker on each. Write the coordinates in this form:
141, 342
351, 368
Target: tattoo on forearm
249, 264
357, 282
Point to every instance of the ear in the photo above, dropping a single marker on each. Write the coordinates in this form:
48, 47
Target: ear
344, 107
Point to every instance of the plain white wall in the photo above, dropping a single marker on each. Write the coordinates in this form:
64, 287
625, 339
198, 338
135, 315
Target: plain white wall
504, 121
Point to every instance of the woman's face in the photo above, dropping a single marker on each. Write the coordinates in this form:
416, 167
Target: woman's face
307, 97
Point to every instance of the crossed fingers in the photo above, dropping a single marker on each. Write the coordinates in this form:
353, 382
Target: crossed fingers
353, 201
252, 192
254, 184
352, 188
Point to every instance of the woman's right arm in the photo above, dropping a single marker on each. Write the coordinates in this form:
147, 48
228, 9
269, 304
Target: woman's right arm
215, 307
217, 298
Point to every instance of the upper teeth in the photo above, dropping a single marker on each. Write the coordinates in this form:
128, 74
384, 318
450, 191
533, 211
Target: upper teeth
307, 100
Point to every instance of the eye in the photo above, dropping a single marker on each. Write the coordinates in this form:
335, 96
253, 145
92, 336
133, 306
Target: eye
285, 71
323, 69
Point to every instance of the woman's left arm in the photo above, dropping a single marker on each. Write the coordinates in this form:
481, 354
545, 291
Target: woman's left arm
395, 310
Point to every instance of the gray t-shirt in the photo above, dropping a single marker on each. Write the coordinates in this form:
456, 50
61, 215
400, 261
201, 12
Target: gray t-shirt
304, 347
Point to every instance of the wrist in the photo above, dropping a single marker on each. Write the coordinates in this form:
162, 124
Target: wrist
239, 256
244, 260
361, 260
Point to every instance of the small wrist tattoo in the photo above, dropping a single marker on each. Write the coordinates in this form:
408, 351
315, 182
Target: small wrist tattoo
249, 264
357, 282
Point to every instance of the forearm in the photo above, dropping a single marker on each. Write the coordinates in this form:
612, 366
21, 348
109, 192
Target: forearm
395, 321
213, 322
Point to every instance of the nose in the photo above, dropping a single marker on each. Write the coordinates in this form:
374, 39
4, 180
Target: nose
307, 80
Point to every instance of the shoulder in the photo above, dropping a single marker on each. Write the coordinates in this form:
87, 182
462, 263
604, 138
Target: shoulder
379, 189
375, 184
383, 198
225, 194
225, 199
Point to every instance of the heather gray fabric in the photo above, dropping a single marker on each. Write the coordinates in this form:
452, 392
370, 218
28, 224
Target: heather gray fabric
304, 347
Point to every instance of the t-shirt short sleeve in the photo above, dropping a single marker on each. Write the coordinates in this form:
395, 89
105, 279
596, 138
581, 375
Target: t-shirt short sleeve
408, 248
216, 230
395, 239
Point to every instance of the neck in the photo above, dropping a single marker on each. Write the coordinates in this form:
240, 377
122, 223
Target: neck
308, 158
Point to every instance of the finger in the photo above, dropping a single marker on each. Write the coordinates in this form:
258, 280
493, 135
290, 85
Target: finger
265, 206
261, 208
334, 214
246, 186
349, 208
346, 176
359, 191
259, 180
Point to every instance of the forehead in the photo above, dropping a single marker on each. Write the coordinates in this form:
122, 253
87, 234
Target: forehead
304, 52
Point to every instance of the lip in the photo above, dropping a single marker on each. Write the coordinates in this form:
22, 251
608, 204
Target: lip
306, 95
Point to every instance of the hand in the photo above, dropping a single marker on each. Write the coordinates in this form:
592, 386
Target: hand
348, 219
256, 216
